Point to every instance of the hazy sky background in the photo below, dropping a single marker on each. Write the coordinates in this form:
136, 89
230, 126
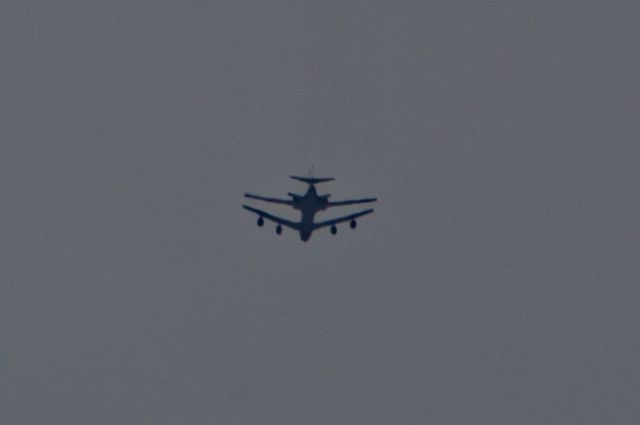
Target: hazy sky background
496, 283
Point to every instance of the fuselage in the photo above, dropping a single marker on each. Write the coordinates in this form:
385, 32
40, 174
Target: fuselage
308, 205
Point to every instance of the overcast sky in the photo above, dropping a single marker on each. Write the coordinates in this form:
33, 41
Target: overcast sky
496, 283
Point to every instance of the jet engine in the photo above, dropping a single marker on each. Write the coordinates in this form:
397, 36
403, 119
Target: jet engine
278, 229
334, 229
260, 221
353, 224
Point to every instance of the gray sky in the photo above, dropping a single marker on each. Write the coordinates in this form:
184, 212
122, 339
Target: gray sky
497, 282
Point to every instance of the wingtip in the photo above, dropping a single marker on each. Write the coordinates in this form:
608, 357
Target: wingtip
253, 210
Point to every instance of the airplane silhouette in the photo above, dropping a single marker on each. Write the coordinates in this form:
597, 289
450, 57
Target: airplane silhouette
308, 205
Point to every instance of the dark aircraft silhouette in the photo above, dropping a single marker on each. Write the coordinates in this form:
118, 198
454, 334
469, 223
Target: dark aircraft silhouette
308, 205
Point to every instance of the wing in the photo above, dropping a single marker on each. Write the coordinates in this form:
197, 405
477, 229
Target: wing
274, 200
350, 202
341, 219
273, 218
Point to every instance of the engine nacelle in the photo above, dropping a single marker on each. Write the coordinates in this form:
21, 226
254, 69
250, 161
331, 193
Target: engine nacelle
353, 224
278, 229
334, 229
260, 221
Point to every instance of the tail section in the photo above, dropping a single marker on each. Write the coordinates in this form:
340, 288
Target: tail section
312, 180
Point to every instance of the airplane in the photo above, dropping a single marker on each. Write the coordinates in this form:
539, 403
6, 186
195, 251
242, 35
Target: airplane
308, 205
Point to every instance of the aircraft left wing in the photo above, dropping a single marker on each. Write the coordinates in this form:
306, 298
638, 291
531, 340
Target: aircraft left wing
341, 219
284, 222
273, 200
350, 202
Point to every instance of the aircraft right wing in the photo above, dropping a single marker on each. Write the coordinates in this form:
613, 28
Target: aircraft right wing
284, 222
341, 219
350, 202
273, 200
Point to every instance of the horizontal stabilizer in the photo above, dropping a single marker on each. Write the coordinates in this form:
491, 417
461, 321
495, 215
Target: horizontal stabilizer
351, 202
312, 180
266, 199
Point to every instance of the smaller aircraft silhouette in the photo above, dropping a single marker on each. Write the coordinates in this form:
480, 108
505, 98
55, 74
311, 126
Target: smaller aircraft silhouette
308, 205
